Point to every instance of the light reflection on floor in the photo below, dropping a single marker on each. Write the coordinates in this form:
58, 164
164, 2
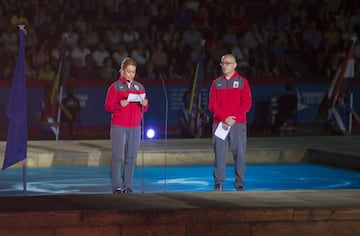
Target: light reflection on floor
95, 180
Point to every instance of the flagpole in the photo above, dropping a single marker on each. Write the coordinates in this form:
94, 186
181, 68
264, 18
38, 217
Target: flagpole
350, 114
59, 113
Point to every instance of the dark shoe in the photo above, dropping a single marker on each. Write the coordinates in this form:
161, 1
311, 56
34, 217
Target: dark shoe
239, 188
218, 188
117, 191
127, 190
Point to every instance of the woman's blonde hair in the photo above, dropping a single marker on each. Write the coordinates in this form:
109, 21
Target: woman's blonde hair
127, 61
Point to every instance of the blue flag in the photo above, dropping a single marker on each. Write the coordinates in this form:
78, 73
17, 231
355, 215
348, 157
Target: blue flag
16, 146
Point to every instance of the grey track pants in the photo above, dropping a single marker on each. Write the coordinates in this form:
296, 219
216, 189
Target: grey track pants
125, 142
236, 138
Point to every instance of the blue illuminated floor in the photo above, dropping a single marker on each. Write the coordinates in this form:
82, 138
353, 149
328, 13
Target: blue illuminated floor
95, 180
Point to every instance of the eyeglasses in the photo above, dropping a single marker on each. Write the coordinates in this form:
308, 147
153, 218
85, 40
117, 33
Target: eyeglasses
226, 63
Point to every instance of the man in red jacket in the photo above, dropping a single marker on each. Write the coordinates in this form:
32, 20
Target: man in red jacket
229, 101
126, 100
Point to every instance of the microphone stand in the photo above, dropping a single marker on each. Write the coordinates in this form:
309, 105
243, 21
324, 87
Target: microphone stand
142, 148
165, 138
142, 143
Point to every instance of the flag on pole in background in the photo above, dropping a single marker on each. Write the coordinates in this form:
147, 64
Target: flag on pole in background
199, 71
344, 73
16, 145
51, 101
195, 95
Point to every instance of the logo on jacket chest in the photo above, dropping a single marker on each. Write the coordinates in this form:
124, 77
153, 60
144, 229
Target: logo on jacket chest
235, 84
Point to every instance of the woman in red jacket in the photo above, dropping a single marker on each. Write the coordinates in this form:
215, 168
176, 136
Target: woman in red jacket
126, 100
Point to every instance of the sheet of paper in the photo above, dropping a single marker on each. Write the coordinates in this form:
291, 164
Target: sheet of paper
221, 132
135, 97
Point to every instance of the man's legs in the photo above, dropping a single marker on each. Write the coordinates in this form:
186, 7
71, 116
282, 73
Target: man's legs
220, 150
238, 138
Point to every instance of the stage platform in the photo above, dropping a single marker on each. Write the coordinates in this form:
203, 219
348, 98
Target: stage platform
313, 212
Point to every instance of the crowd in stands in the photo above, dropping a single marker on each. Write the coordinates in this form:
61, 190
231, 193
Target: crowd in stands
164, 36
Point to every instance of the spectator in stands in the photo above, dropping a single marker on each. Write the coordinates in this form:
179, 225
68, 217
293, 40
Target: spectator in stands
229, 38
19, 18
342, 19
70, 106
141, 55
312, 39
91, 37
239, 19
159, 59
171, 37
217, 49
31, 39
191, 35
331, 36
284, 25
202, 20
211, 68
80, 23
30, 73
72, 9
255, 42
183, 17
241, 54
78, 55
112, 37
150, 72
123, 17
3, 20
8, 69
90, 71
162, 16
268, 29
41, 56
130, 35
286, 109
71, 35
121, 52
108, 71
142, 20
277, 56
41, 18
181, 55
46, 72
9, 40
100, 21
355, 18
99, 54
153, 36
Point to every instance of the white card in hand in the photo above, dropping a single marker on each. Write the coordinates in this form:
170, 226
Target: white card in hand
134, 97
221, 132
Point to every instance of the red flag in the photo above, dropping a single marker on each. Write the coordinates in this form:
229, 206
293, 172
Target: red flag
344, 73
